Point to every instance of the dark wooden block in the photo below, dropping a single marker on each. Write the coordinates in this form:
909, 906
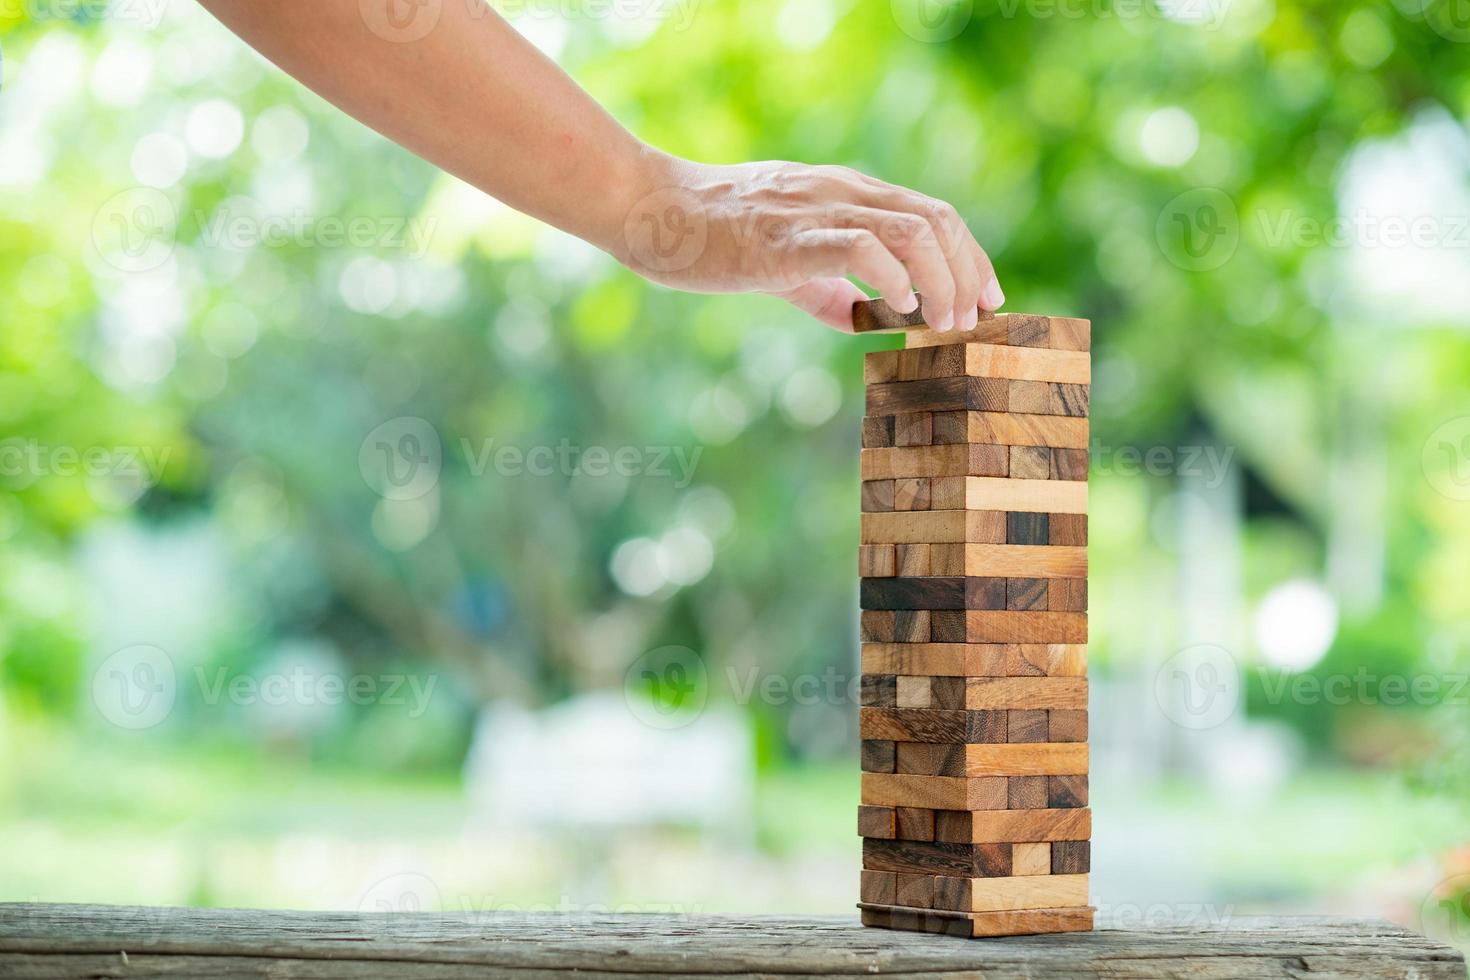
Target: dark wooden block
1026, 593
948, 692
913, 593
913, 429
920, 363
934, 395
937, 858
1026, 792
878, 431
930, 759
879, 887
988, 395
953, 826
949, 428
879, 691
912, 625
1071, 857
932, 725
877, 626
983, 592
1025, 527
914, 823
947, 626
1066, 791
878, 755
1026, 725
876, 821
1030, 463
1066, 725
915, 891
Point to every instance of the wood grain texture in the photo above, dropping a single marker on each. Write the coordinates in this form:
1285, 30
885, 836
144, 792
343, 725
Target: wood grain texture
1028, 693
942, 461
1026, 759
878, 431
934, 792
912, 593
1024, 627
996, 493
72, 942
931, 724
1071, 857
1064, 792
946, 659
1064, 725
1031, 858
1010, 893
1045, 660
1033, 398
1012, 826
1020, 429
1028, 364
879, 822
988, 925
876, 560
957, 527
877, 495
930, 758
1023, 560
879, 886
937, 858
879, 755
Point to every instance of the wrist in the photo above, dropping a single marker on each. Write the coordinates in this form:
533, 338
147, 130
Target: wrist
646, 172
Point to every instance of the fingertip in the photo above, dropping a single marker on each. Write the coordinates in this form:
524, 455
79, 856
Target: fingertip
968, 320
945, 323
907, 303
994, 297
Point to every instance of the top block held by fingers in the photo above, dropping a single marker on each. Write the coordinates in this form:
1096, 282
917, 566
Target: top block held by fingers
1013, 329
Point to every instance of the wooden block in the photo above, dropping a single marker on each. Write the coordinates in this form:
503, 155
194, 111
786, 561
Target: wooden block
946, 361
1027, 725
1031, 859
914, 625
948, 558
1014, 826
953, 428
947, 626
957, 660
1026, 759
978, 925
913, 559
878, 886
1073, 857
1066, 725
1015, 429
914, 429
877, 822
1069, 529
1037, 398
1069, 464
1071, 334
913, 593
931, 725
1021, 627
879, 755
913, 692
1027, 330
934, 792
929, 758
1027, 527
933, 395
1030, 463
985, 592
877, 495
947, 493
1026, 693
1020, 560
943, 461
915, 891
1063, 792
911, 493
878, 431
914, 823
988, 493
937, 858
914, 527
1046, 660
1026, 793
877, 625
876, 560
880, 366
947, 692
873, 315
1014, 363
1028, 593
1011, 893
1067, 595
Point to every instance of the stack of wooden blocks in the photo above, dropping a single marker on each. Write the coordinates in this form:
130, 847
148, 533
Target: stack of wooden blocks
974, 626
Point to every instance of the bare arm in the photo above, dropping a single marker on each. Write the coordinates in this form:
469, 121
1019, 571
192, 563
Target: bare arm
459, 86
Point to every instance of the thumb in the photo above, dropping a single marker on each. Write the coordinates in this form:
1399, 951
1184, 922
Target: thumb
829, 300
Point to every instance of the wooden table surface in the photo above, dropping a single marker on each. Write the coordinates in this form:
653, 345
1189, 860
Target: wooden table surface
75, 941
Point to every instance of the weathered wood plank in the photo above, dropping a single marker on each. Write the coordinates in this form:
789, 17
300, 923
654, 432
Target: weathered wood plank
69, 942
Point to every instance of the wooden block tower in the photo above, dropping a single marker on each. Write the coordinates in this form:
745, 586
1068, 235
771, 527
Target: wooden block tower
973, 560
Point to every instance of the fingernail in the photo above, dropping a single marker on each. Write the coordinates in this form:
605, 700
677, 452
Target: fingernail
968, 320
994, 298
946, 322
908, 304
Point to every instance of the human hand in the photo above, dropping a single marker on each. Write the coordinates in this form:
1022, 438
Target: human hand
796, 231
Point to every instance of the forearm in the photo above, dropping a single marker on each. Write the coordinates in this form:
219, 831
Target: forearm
471, 96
